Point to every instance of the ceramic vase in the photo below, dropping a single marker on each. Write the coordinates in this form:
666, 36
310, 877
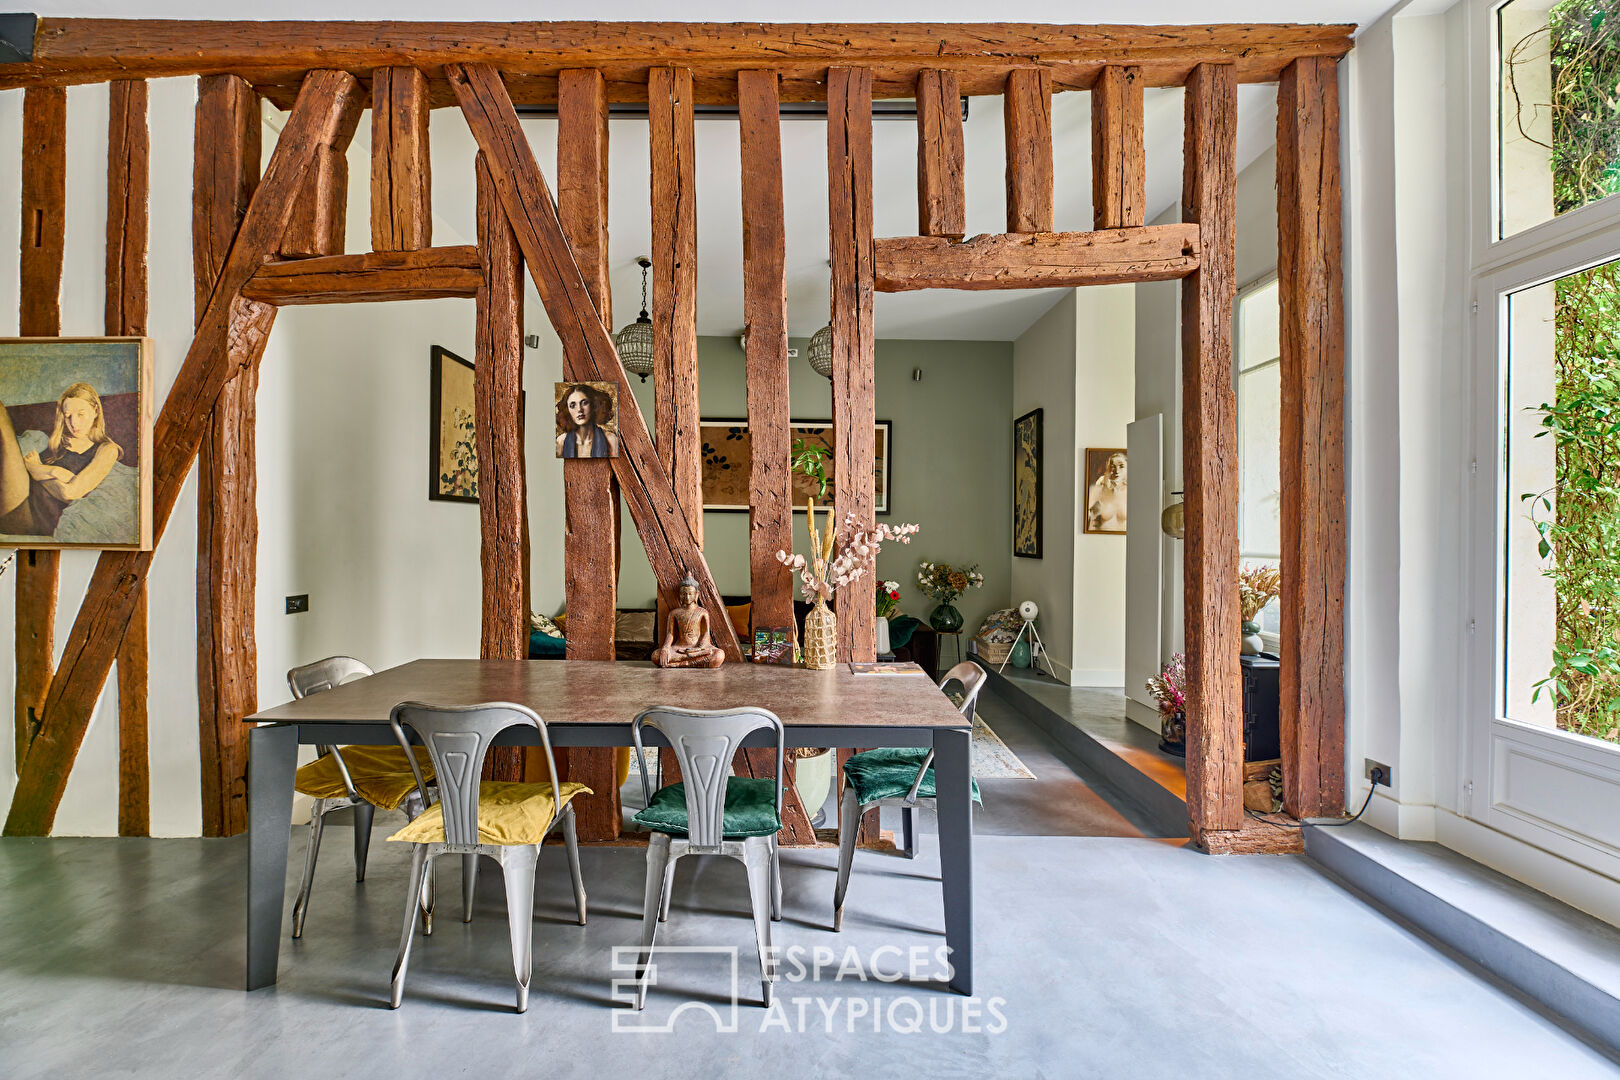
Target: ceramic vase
1253, 643
883, 635
820, 637
946, 619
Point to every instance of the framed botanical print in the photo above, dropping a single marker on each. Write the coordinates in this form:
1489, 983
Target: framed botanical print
1105, 491
76, 443
727, 458
452, 445
1026, 521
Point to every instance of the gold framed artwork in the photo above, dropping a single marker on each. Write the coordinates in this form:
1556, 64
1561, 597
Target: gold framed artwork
727, 457
76, 443
587, 419
1026, 523
1105, 491
452, 442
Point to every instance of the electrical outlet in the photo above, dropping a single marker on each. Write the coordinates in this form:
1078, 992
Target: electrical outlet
1386, 775
296, 604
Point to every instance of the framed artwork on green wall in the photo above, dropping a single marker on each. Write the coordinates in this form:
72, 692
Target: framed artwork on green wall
1026, 523
727, 458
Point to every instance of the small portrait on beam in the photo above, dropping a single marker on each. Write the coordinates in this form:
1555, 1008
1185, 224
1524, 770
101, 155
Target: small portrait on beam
586, 424
76, 443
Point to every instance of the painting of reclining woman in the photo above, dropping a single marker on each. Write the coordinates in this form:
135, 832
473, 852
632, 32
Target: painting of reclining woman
75, 443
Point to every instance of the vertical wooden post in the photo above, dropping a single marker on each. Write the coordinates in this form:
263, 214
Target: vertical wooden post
44, 224
225, 174
128, 181
849, 195
401, 169
1118, 152
1209, 458
1310, 275
674, 287
498, 431
1027, 106
591, 494
941, 189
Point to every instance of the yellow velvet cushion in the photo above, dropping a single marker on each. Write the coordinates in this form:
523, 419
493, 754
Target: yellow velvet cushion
381, 775
740, 615
508, 813
621, 766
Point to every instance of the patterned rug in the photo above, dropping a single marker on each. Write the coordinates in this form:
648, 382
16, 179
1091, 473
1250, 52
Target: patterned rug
994, 759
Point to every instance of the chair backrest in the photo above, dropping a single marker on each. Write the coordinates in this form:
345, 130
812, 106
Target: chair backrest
324, 675
972, 678
704, 742
457, 737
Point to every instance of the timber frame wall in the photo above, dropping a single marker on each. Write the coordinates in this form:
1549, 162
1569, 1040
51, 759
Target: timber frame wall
262, 242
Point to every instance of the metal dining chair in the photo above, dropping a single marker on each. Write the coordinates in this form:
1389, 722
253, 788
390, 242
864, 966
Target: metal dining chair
710, 812
893, 776
360, 778
504, 821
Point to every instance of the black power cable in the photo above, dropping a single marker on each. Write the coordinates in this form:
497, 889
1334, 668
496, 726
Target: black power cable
1376, 778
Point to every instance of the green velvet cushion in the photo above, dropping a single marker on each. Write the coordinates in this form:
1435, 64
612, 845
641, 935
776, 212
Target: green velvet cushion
750, 809
887, 773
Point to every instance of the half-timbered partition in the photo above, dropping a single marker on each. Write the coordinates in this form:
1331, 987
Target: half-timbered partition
265, 242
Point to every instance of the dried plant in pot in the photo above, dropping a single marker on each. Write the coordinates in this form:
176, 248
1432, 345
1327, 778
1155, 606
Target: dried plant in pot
838, 560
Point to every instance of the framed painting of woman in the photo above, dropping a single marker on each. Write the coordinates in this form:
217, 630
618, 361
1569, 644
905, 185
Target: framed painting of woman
586, 424
76, 443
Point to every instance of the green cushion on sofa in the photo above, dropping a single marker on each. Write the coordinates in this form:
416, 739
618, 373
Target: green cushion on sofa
750, 809
887, 773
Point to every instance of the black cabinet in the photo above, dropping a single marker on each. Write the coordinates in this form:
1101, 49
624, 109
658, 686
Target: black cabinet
1262, 740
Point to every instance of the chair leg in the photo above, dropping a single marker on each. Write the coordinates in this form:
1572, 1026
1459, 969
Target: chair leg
757, 858
517, 866
669, 887
571, 843
657, 862
849, 824
776, 878
469, 885
363, 812
413, 900
301, 906
427, 900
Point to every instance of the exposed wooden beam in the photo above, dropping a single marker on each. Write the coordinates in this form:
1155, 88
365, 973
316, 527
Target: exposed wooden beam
128, 184
321, 211
378, 275
1118, 149
1310, 273
401, 167
1209, 459
672, 550
1027, 105
849, 206
225, 173
276, 54
941, 187
230, 338
42, 239
674, 287
498, 431
1036, 260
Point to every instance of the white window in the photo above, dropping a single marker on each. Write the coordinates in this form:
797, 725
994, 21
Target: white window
1259, 399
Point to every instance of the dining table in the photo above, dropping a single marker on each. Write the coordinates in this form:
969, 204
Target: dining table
592, 703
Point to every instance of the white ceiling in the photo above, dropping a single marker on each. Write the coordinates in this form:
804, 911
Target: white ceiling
929, 315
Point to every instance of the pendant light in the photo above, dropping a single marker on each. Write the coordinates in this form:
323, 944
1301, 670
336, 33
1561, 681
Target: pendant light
820, 352
635, 341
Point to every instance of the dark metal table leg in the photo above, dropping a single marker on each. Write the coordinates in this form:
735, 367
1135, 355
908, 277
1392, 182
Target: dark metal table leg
908, 831
954, 804
272, 760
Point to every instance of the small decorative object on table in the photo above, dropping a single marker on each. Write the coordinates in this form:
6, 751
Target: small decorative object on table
888, 605
944, 582
775, 645
1257, 587
686, 634
857, 552
1169, 689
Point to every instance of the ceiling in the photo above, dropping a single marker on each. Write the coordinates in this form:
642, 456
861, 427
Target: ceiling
927, 315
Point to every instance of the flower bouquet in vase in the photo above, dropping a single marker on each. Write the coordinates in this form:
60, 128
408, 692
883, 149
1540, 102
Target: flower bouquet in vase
944, 582
837, 561
888, 606
1169, 689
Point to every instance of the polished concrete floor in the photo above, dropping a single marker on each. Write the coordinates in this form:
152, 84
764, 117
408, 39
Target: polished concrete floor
1110, 955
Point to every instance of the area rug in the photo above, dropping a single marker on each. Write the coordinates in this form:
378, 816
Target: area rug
994, 759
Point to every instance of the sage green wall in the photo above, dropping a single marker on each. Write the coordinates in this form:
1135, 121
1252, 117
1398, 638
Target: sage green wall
951, 464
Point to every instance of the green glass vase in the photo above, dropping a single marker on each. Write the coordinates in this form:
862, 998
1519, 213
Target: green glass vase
946, 619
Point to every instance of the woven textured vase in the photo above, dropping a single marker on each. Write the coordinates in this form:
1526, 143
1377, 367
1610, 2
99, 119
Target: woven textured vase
820, 637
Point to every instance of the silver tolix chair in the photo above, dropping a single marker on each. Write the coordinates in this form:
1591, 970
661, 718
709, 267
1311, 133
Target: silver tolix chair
380, 777
518, 817
894, 776
710, 812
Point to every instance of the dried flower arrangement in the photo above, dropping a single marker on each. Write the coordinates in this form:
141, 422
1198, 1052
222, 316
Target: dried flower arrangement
1257, 587
1169, 687
944, 582
857, 552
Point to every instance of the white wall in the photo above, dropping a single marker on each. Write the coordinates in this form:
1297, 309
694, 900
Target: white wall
1077, 363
